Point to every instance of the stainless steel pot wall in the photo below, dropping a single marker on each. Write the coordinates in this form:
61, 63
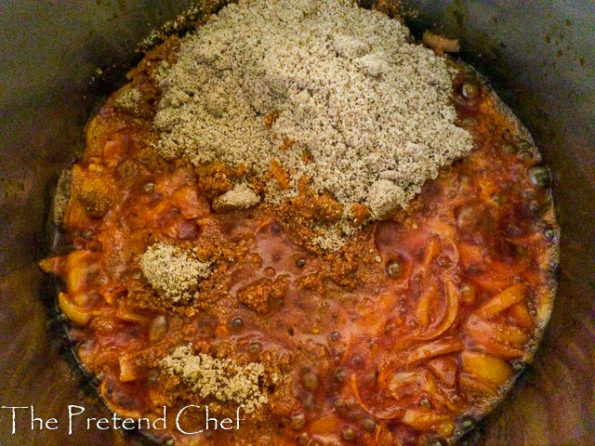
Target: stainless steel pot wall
538, 54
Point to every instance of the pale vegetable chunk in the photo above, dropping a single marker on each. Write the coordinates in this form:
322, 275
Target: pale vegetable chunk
486, 368
436, 348
422, 419
77, 315
502, 301
127, 370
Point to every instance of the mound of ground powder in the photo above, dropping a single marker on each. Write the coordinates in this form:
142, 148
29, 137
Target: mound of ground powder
223, 379
344, 86
173, 272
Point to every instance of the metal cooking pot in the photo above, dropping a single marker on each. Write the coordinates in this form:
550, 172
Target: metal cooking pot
538, 56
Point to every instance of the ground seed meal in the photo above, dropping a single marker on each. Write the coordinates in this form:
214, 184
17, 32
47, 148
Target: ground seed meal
343, 86
223, 379
173, 272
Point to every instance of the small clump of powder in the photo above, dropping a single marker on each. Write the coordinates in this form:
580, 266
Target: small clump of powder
172, 271
222, 379
240, 197
128, 99
344, 84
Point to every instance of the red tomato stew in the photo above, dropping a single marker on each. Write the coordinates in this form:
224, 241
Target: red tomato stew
408, 334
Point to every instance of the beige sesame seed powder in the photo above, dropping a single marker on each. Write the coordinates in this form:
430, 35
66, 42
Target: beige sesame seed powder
240, 197
222, 379
345, 85
172, 271
128, 99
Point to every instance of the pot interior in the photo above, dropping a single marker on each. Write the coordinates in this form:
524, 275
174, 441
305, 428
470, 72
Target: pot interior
60, 59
